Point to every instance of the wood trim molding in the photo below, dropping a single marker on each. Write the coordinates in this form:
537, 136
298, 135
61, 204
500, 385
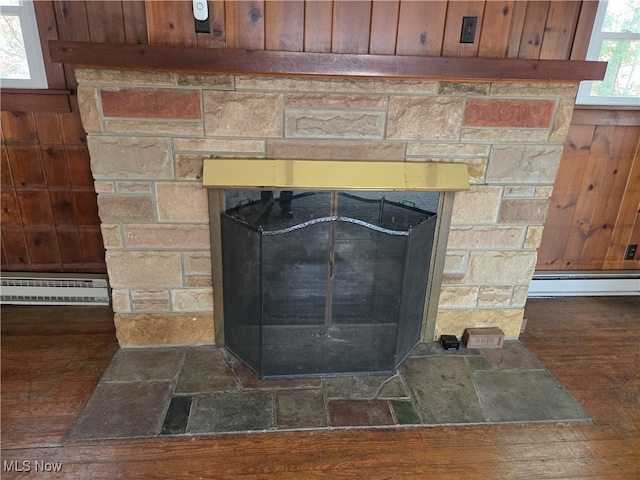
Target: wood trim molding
263, 62
49, 101
589, 115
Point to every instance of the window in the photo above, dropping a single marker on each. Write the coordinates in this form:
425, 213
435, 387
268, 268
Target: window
616, 40
21, 63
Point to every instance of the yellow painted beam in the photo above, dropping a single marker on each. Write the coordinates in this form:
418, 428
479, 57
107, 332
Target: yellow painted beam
284, 174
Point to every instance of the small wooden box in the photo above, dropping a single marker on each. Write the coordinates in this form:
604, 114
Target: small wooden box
483, 338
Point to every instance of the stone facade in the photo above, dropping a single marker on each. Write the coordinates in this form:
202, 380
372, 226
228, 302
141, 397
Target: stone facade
149, 132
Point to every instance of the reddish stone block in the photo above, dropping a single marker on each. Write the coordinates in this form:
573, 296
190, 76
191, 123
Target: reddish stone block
509, 113
151, 103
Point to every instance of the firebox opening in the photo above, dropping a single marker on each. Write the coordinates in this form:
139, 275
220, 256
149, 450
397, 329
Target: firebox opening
325, 282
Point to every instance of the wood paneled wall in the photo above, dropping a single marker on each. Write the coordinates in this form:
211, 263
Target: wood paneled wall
594, 210
506, 28
49, 212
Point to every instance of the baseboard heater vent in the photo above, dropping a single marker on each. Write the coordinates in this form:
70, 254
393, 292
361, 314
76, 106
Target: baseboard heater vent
53, 291
584, 284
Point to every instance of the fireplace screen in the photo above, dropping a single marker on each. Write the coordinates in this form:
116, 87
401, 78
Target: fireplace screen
325, 283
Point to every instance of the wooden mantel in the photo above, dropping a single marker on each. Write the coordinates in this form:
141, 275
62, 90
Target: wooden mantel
263, 62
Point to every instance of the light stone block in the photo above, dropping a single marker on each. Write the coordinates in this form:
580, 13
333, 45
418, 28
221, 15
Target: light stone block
218, 145
456, 262
563, 120
534, 236
495, 290
146, 329
196, 263
242, 114
434, 149
479, 205
519, 298
155, 127
544, 191
111, 235
494, 302
134, 187
198, 281
464, 88
104, 187
203, 80
315, 123
89, 110
519, 191
500, 267
120, 301
173, 237
184, 202
523, 211
144, 269
329, 85
123, 77
524, 163
537, 89
332, 150
192, 299
126, 208
476, 237
459, 296
454, 322
189, 166
130, 158
494, 134
150, 300
431, 118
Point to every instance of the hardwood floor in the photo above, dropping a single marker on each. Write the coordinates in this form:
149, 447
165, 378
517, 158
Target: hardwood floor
53, 357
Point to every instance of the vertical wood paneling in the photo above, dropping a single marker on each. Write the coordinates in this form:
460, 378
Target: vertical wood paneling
562, 205
384, 27
135, 22
318, 23
586, 19
284, 25
451, 46
170, 23
517, 26
560, 30
351, 23
245, 24
534, 29
48, 30
48, 128
421, 28
106, 21
496, 24
627, 225
217, 38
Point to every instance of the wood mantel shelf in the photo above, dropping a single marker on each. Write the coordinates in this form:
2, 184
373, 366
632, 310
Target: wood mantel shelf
264, 62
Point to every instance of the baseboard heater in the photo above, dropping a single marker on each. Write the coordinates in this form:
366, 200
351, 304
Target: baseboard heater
53, 290
584, 284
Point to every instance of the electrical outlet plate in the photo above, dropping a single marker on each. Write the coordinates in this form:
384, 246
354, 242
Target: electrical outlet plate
468, 34
630, 252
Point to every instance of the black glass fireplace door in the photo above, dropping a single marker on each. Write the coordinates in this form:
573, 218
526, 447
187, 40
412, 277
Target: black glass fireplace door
337, 288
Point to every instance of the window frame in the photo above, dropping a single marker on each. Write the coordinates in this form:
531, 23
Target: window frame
33, 49
584, 96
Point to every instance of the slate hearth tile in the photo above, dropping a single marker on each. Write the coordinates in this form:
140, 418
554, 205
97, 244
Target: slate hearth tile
177, 417
360, 413
479, 363
300, 409
512, 356
250, 380
231, 412
435, 349
405, 412
138, 364
121, 410
205, 370
526, 396
363, 388
443, 388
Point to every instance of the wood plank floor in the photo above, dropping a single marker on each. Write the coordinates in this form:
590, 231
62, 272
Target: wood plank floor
53, 357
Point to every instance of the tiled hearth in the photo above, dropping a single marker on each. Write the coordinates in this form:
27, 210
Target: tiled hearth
200, 390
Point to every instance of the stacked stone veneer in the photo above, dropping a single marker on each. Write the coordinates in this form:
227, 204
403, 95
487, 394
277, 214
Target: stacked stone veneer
149, 132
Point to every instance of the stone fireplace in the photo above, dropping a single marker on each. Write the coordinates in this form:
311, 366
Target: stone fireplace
149, 133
